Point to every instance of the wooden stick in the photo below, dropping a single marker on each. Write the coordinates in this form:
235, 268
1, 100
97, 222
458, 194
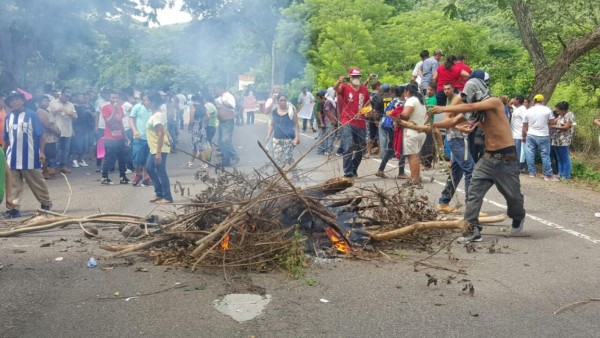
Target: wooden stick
410, 229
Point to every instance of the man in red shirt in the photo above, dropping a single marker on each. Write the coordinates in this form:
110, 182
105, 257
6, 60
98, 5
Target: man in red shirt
352, 97
115, 142
460, 63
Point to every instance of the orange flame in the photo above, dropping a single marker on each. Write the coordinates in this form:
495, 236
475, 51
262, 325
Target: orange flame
338, 243
225, 242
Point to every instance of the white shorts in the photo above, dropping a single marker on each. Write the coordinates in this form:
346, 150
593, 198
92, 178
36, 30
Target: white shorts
412, 142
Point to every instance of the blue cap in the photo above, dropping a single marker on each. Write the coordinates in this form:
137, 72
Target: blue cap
385, 86
322, 93
478, 74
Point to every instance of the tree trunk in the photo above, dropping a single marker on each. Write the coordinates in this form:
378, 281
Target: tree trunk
547, 76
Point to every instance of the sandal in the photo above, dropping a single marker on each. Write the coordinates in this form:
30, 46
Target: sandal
380, 174
163, 201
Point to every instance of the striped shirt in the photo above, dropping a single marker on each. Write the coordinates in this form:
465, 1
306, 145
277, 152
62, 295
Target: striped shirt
22, 132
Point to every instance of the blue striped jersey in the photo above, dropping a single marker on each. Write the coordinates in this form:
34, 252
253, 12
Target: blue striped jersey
22, 132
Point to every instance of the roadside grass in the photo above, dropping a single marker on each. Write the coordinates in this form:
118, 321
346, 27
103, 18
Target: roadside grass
585, 170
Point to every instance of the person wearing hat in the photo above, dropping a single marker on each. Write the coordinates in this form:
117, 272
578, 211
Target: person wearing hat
24, 146
352, 98
499, 164
428, 68
536, 136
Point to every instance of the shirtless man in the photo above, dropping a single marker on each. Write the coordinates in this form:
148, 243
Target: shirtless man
500, 163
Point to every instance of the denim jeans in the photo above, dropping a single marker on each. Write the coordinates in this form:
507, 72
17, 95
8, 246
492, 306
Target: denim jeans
63, 151
554, 159
541, 144
228, 152
159, 177
250, 118
353, 143
305, 121
460, 166
326, 139
174, 132
519, 146
564, 161
505, 175
114, 150
386, 142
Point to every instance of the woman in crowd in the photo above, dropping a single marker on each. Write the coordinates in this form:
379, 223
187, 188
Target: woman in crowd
412, 141
562, 138
448, 73
284, 130
156, 165
197, 127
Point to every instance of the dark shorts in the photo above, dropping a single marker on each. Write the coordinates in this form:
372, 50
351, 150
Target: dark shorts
140, 152
373, 130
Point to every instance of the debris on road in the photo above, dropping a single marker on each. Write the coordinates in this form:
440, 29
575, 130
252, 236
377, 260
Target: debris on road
242, 307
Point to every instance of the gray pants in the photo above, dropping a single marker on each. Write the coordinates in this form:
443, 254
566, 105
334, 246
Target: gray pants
505, 175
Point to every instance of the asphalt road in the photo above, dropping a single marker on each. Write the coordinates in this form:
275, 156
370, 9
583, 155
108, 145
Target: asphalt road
517, 290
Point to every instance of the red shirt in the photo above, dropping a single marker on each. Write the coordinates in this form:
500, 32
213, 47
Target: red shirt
445, 76
350, 102
113, 129
460, 85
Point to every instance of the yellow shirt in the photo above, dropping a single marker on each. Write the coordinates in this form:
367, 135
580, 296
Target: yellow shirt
158, 118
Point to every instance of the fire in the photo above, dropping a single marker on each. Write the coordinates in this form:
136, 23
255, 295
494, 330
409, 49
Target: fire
225, 242
338, 243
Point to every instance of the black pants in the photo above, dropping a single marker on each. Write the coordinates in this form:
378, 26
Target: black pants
427, 153
114, 150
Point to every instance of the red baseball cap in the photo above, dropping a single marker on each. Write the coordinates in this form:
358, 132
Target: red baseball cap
354, 71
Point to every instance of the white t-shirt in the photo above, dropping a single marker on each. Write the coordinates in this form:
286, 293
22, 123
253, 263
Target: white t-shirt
226, 97
126, 111
516, 122
306, 99
415, 72
538, 117
417, 116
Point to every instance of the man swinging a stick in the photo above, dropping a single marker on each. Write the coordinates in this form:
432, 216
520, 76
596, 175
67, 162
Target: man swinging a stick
499, 165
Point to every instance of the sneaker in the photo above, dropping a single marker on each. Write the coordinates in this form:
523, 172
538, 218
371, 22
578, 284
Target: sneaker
446, 209
124, 180
65, 170
105, 181
147, 183
473, 234
75, 164
326, 153
12, 213
517, 226
155, 198
98, 170
128, 171
402, 177
235, 161
46, 207
380, 174
189, 165
136, 180
82, 163
339, 154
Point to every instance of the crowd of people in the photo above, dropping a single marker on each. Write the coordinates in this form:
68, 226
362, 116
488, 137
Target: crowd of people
139, 130
49, 133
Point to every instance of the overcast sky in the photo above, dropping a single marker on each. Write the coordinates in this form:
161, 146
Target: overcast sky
169, 16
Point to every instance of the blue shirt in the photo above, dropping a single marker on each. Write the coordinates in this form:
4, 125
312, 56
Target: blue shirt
22, 132
429, 66
141, 116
